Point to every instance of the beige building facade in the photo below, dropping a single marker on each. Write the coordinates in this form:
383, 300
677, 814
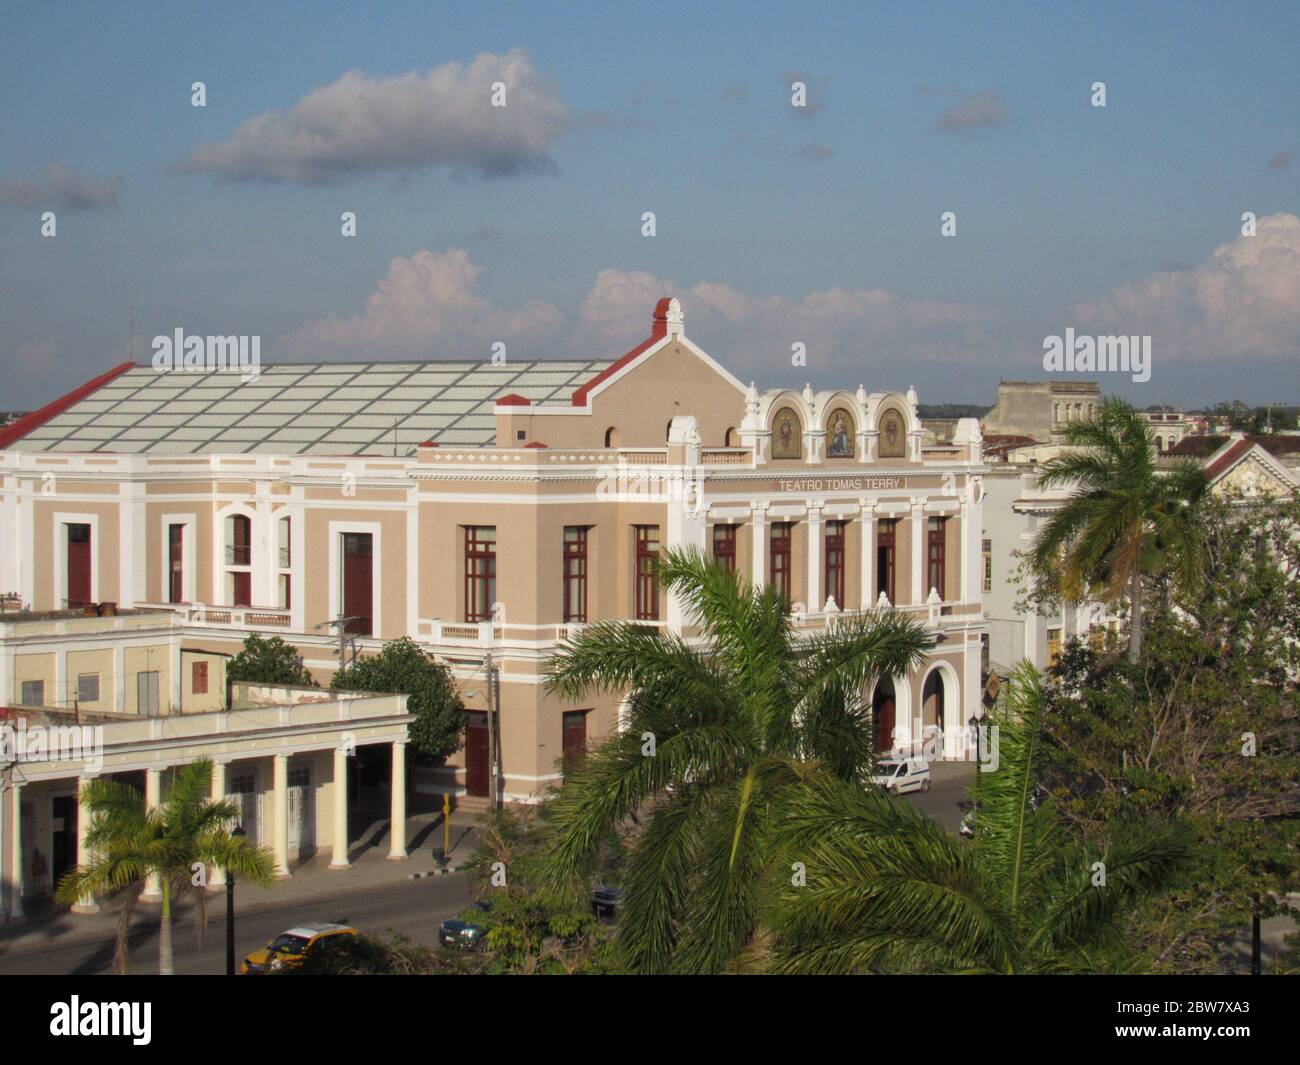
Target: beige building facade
484, 509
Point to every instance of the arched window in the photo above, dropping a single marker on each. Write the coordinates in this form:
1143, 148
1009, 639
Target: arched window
611, 437
729, 438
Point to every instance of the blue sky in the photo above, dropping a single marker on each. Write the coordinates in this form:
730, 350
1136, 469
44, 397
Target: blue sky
774, 225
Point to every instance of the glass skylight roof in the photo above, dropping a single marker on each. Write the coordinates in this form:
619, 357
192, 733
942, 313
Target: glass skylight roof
300, 409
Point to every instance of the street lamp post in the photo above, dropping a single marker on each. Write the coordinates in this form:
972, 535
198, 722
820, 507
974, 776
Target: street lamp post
238, 833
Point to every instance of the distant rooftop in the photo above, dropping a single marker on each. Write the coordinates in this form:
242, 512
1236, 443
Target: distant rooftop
336, 408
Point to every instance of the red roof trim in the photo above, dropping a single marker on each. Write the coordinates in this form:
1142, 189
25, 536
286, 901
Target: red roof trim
535, 443
1228, 459
658, 330
513, 399
10, 434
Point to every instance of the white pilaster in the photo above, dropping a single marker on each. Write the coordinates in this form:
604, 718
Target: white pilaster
220, 768
339, 860
758, 546
152, 799
918, 562
280, 815
867, 530
87, 903
816, 547
397, 829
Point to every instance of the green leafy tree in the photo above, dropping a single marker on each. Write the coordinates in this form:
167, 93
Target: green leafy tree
888, 890
179, 841
1126, 519
438, 717
1205, 728
269, 661
717, 734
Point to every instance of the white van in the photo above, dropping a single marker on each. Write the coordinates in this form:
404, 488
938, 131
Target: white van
901, 775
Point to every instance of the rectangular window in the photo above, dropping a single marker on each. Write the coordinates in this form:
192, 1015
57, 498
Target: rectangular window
358, 583
835, 561
199, 678
988, 565
778, 575
286, 543
886, 537
1053, 647
33, 693
88, 687
724, 546
574, 737
936, 539
78, 565
146, 693
175, 563
241, 588
575, 573
239, 550
480, 571
647, 573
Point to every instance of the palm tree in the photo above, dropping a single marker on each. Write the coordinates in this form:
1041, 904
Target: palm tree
717, 731
178, 841
889, 889
1126, 517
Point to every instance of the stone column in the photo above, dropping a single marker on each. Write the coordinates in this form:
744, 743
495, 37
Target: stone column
758, 548
867, 524
220, 768
280, 816
339, 860
816, 545
919, 567
397, 828
15, 813
152, 799
87, 903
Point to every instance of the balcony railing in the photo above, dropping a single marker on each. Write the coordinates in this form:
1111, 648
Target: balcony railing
245, 617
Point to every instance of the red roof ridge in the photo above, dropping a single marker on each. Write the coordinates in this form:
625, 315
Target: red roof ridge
11, 434
658, 330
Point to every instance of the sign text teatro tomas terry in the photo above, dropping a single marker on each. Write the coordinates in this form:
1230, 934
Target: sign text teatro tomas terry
839, 484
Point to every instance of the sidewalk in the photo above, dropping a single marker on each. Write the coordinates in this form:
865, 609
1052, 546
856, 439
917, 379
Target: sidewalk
43, 921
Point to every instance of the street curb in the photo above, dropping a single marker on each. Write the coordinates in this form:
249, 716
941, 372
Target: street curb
432, 872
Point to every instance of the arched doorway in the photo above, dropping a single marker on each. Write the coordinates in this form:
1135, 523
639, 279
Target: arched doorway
932, 700
883, 713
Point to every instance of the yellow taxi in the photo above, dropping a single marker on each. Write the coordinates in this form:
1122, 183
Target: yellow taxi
287, 950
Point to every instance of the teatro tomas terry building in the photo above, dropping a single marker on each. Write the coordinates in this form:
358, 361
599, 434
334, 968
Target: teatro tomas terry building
491, 508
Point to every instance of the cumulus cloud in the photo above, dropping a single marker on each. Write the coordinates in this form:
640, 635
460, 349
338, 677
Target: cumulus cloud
426, 306
843, 329
1243, 301
359, 124
984, 110
60, 188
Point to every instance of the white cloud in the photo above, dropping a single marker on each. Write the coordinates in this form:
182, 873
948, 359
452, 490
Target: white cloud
412, 121
425, 307
981, 111
61, 188
1244, 300
844, 329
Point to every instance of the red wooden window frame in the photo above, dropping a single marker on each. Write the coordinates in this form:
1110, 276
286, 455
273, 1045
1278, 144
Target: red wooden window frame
175, 563
239, 552
724, 546
936, 551
646, 606
480, 571
575, 573
573, 732
886, 557
778, 566
359, 583
79, 546
835, 561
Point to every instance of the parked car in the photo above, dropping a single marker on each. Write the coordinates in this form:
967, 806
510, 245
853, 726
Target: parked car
605, 901
287, 950
901, 775
457, 933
